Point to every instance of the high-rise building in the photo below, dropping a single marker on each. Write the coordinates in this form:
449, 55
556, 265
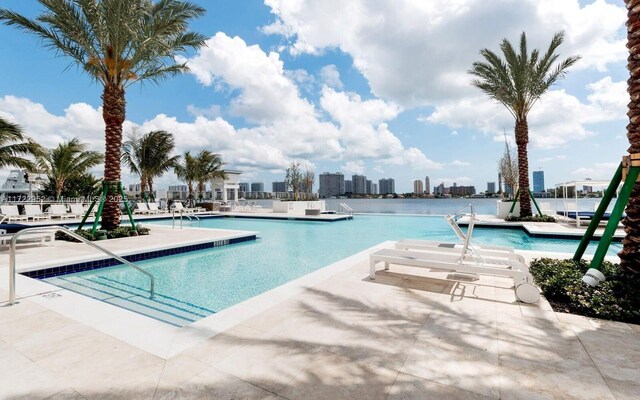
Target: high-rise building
369, 186
257, 187
135, 187
359, 184
462, 190
538, 181
387, 186
178, 188
331, 184
427, 185
348, 186
375, 188
439, 190
279, 187
243, 187
491, 187
417, 186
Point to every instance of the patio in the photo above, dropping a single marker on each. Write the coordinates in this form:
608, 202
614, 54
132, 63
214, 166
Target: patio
410, 334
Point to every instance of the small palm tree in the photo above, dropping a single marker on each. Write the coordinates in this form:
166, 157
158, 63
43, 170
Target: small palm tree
70, 160
15, 146
187, 171
209, 166
518, 82
149, 156
117, 43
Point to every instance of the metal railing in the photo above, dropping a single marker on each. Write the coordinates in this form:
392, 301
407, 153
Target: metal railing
181, 213
345, 209
66, 231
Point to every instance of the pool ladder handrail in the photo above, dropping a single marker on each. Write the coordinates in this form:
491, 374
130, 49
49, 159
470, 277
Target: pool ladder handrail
173, 218
69, 232
344, 208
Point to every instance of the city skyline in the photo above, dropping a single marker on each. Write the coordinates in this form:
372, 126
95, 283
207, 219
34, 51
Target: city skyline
275, 85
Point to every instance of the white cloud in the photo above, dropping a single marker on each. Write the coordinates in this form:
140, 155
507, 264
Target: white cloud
331, 77
353, 168
558, 117
458, 163
211, 112
603, 171
417, 52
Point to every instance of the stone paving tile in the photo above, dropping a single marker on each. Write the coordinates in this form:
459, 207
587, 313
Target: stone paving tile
215, 384
176, 371
334, 376
20, 328
618, 367
218, 347
463, 367
408, 387
20, 378
270, 363
571, 379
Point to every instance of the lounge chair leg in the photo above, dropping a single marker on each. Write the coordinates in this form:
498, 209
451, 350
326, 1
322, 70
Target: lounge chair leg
386, 266
372, 269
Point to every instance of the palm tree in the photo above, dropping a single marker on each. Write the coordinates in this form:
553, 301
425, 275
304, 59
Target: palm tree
187, 171
149, 156
518, 82
116, 43
209, 166
630, 253
14, 146
70, 160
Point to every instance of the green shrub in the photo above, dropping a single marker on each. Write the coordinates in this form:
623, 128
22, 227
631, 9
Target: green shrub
119, 232
617, 298
533, 218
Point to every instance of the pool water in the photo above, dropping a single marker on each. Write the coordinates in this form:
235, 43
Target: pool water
194, 285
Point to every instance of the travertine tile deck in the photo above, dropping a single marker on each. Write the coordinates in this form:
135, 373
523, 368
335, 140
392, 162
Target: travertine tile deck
410, 334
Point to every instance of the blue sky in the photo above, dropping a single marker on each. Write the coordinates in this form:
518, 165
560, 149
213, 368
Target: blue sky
378, 88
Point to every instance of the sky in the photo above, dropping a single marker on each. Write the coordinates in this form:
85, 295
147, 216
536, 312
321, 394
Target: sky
372, 87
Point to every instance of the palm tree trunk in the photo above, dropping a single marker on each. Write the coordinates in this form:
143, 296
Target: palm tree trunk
190, 185
113, 113
143, 185
630, 254
522, 140
59, 186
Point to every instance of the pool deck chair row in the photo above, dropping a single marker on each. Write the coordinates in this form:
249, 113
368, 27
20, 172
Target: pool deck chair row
463, 258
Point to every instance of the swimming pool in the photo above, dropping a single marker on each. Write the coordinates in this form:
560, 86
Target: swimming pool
191, 286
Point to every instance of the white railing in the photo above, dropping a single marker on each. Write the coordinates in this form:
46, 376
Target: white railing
345, 209
181, 214
68, 232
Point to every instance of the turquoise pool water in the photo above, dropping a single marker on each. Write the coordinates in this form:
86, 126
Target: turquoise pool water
194, 285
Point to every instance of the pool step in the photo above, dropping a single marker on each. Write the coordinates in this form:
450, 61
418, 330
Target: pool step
134, 298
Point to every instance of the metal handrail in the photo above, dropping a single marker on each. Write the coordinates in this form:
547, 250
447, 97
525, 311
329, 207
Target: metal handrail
173, 218
67, 231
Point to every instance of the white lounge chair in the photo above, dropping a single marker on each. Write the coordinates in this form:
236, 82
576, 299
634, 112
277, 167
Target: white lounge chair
525, 291
177, 206
142, 208
34, 212
153, 208
11, 213
78, 209
60, 211
465, 247
463, 258
27, 238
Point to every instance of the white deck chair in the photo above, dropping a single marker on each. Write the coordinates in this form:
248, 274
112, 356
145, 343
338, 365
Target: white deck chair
465, 247
34, 212
177, 206
141, 208
153, 208
27, 238
60, 211
525, 291
78, 209
11, 213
